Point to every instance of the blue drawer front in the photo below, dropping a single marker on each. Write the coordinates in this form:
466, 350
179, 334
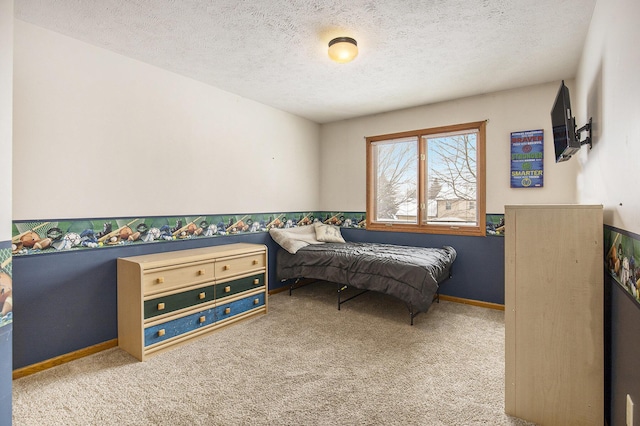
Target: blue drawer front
176, 327
229, 310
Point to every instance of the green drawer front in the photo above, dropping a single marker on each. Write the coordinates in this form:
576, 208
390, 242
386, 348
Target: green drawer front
177, 301
238, 286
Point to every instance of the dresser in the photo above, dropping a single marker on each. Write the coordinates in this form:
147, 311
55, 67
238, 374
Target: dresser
554, 314
170, 298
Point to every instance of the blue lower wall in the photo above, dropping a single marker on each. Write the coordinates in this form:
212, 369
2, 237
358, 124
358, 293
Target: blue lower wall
622, 343
6, 333
67, 301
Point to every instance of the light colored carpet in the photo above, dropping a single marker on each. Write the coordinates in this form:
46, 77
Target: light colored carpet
304, 363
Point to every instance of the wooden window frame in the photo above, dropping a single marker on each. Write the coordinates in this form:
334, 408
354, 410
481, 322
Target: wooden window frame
422, 226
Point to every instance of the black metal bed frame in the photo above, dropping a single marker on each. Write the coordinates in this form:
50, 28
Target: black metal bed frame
412, 314
295, 284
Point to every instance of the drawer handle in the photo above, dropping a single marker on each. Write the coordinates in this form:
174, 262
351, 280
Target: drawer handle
227, 311
202, 319
226, 267
160, 306
255, 261
256, 281
256, 301
227, 289
161, 332
160, 280
200, 271
202, 295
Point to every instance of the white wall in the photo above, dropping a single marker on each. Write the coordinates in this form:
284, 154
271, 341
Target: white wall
97, 134
6, 89
608, 89
343, 146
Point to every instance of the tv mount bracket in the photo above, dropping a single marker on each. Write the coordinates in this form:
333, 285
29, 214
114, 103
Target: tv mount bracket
587, 128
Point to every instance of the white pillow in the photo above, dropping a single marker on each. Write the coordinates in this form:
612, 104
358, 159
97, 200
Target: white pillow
328, 233
293, 239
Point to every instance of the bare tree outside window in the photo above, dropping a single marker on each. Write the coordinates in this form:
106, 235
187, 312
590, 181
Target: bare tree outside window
452, 166
396, 179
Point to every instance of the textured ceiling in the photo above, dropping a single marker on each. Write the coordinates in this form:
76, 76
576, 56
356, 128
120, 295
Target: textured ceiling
412, 52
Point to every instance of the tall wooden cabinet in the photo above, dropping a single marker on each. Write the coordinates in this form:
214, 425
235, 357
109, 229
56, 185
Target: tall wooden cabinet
170, 298
554, 354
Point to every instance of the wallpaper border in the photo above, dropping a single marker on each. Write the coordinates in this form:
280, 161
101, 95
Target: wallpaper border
34, 237
47, 236
622, 260
6, 283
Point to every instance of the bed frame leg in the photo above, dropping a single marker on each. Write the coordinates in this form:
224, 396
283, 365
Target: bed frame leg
412, 314
343, 288
340, 290
292, 285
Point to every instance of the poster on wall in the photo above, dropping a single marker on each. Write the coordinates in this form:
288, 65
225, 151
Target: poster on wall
527, 155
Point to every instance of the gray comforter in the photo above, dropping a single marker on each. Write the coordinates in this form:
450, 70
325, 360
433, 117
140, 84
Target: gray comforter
412, 274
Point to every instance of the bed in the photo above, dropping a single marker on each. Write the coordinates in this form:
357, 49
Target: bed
411, 274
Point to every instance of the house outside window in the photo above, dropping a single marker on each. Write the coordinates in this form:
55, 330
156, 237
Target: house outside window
430, 180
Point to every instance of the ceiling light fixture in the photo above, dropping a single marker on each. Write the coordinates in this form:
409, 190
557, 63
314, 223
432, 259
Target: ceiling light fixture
343, 49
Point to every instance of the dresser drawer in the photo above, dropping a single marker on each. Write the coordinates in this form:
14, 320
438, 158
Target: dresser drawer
232, 309
161, 332
239, 265
176, 276
175, 302
230, 288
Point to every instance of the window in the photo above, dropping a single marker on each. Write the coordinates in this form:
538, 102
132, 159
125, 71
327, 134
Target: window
430, 180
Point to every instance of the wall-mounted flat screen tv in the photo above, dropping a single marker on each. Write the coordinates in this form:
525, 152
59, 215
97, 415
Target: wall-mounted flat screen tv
564, 126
